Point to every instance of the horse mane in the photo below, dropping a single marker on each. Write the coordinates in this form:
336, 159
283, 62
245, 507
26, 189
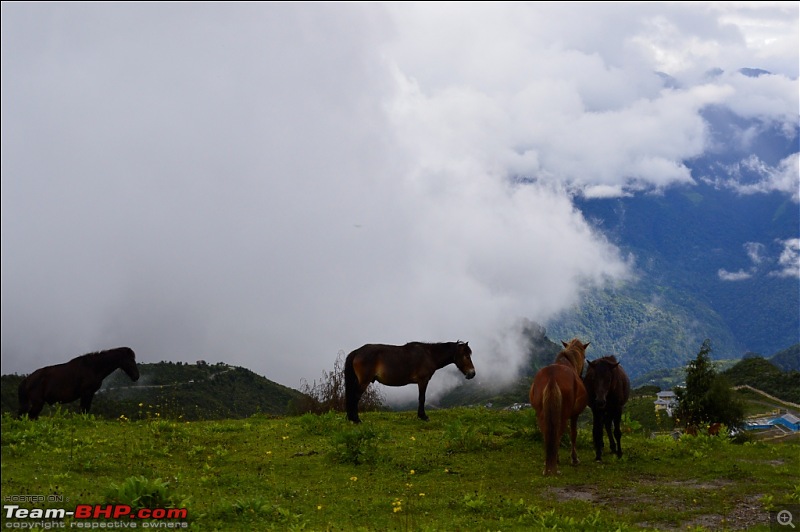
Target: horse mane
569, 355
436, 344
610, 359
99, 356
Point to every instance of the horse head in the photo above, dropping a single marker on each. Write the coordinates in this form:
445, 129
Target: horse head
127, 363
575, 352
602, 379
463, 359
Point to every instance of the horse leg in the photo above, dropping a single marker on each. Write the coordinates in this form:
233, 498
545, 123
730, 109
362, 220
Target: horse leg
609, 419
597, 434
573, 435
352, 398
423, 385
618, 432
86, 402
353, 390
24, 408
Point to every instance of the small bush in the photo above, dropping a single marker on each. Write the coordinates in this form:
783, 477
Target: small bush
461, 438
328, 394
321, 424
356, 446
140, 492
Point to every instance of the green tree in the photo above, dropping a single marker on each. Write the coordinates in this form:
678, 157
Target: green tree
722, 405
708, 397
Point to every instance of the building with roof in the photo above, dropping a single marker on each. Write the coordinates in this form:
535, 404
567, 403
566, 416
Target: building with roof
666, 401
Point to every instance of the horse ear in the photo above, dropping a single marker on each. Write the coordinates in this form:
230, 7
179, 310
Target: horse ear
592, 363
614, 365
564, 343
586, 345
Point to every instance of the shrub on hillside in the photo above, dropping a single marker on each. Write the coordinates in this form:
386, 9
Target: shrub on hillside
327, 394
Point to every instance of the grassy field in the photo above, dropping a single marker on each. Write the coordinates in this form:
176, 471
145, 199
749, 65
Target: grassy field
466, 469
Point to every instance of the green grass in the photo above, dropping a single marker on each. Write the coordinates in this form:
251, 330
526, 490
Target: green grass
466, 469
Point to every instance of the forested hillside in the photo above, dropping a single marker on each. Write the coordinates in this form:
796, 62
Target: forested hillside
177, 390
765, 376
787, 359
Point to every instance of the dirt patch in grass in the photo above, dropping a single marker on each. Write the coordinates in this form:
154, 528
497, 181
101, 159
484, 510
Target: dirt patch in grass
572, 493
743, 516
695, 484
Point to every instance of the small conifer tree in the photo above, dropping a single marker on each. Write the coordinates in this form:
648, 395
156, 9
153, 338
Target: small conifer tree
708, 397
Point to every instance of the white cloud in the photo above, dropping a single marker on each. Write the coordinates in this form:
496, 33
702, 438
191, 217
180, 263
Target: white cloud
740, 275
266, 184
789, 260
755, 251
754, 176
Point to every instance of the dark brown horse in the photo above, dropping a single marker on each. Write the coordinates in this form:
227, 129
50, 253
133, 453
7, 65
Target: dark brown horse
79, 378
608, 388
398, 365
558, 395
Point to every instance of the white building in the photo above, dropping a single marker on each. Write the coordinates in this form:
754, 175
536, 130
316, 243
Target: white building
666, 401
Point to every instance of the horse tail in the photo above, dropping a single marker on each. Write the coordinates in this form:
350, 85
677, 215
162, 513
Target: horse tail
551, 408
352, 388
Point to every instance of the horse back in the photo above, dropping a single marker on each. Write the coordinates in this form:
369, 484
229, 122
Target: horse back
573, 392
53, 384
392, 365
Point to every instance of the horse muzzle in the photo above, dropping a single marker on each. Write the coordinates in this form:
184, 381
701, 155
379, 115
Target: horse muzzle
469, 374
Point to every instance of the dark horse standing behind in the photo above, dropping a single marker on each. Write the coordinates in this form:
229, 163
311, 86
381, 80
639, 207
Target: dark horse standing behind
398, 365
558, 395
79, 378
608, 388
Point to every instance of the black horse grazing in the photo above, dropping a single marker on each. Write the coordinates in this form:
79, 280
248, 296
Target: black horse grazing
398, 365
79, 378
608, 388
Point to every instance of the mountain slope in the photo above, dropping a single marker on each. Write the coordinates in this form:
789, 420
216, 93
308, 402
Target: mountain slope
717, 259
646, 326
188, 391
754, 371
787, 359
765, 376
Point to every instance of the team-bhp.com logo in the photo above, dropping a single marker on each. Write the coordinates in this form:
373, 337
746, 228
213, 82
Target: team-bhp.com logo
121, 516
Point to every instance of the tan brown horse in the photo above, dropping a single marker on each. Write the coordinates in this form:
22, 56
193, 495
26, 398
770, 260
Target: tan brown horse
398, 365
558, 395
79, 378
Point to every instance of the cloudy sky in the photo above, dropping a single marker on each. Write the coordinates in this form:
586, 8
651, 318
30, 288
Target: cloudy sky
267, 184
